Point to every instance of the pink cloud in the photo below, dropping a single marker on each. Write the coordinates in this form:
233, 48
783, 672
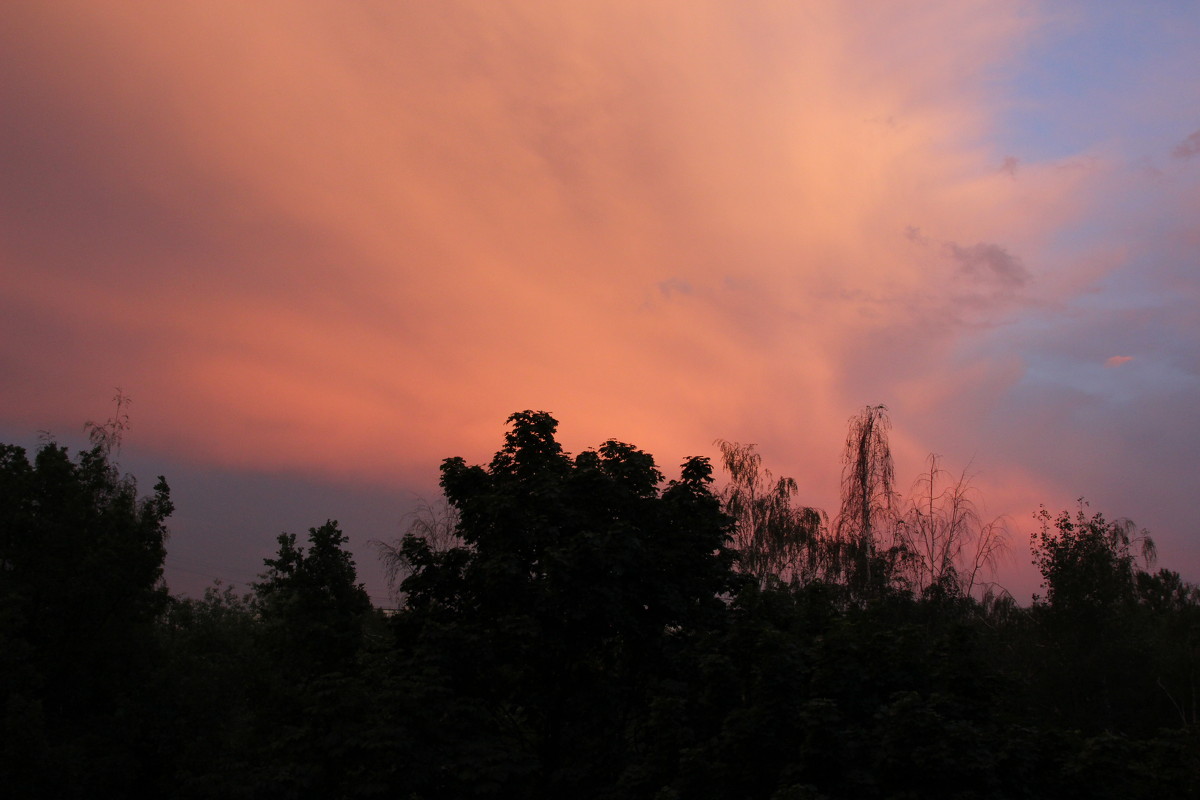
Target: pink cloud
349, 240
1116, 361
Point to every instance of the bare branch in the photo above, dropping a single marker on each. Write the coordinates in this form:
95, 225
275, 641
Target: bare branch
437, 525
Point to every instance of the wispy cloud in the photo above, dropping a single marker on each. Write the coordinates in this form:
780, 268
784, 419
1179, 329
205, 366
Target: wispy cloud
348, 240
989, 262
1189, 147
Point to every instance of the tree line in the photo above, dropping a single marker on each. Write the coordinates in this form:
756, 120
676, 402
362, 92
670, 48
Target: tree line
933, 541
583, 626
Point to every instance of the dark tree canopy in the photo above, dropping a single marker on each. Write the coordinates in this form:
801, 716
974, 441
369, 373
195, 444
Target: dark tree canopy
81, 560
575, 576
593, 538
314, 599
574, 626
1089, 562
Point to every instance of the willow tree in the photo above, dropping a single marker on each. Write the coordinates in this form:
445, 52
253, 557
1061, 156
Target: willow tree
776, 539
867, 495
434, 530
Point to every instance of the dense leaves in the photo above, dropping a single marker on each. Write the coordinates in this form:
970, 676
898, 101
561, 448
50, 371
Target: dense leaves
312, 601
585, 630
80, 566
575, 579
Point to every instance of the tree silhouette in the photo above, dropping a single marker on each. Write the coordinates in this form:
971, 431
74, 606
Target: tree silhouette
435, 528
574, 626
314, 599
775, 538
576, 577
868, 498
81, 560
1089, 562
946, 542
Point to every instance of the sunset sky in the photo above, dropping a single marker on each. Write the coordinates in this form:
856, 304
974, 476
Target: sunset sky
325, 245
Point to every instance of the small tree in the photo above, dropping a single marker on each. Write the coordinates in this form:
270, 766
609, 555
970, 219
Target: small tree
1089, 562
314, 599
946, 541
775, 539
1099, 668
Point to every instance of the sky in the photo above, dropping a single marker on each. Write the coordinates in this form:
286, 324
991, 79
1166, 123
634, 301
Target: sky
324, 245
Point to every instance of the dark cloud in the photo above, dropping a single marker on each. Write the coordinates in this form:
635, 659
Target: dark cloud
1188, 147
674, 286
990, 262
1010, 165
914, 235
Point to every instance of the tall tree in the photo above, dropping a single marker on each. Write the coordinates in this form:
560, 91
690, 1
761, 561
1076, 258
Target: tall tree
1098, 671
81, 560
576, 578
868, 497
310, 718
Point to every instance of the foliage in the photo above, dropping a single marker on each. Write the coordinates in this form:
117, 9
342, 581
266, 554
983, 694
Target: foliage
217, 674
314, 600
434, 528
864, 555
576, 576
1089, 562
574, 626
933, 542
775, 539
1120, 647
80, 587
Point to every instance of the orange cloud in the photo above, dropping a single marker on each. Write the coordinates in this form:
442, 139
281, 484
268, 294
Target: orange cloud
1116, 361
349, 240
